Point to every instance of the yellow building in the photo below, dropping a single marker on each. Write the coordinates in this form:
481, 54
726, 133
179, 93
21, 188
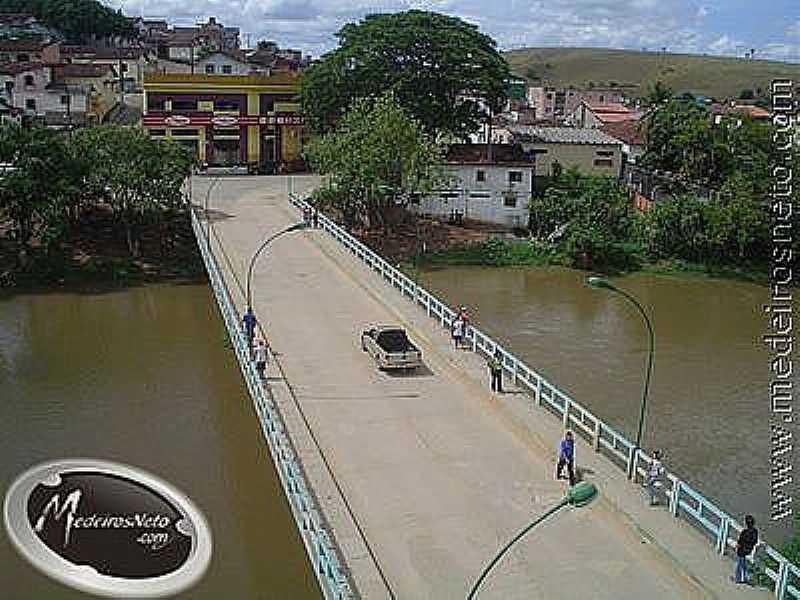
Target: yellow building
228, 120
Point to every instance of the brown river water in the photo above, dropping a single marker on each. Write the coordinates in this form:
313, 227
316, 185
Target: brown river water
709, 404
143, 377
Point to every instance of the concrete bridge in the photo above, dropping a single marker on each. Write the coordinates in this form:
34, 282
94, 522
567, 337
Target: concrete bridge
406, 486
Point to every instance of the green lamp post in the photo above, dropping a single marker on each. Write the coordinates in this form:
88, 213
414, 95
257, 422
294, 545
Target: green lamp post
578, 495
600, 283
295, 227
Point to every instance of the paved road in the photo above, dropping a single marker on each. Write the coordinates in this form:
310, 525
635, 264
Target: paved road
437, 472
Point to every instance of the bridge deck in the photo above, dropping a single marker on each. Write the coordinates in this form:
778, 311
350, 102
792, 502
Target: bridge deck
436, 472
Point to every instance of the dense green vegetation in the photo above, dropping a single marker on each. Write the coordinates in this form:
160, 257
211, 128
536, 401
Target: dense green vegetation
124, 182
435, 65
78, 20
713, 76
375, 159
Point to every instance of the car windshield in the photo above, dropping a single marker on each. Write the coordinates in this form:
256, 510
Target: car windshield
393, 340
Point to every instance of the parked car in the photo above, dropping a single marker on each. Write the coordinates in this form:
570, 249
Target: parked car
390, 347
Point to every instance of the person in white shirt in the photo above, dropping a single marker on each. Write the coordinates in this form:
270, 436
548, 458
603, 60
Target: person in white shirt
655, 475
458, 332
261, 357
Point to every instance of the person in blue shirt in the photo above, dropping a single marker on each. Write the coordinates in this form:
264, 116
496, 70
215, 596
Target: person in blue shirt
566, 457
249, 322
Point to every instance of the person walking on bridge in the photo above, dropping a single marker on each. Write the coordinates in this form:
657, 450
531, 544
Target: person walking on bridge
744, 546
261, 357
566, 457
495, 372
457, 330
249, 322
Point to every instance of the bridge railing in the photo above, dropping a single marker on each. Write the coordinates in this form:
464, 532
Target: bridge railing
319, 545
683, 501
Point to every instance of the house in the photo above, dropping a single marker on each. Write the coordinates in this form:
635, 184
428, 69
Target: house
133, 62
631, 134
552, 104
733, 107
25, 50
590, 114
35, 92
225, 62
96, 81
491, 184
228, 120
590, 151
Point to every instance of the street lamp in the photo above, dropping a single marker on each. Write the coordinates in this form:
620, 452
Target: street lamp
578, 495
205, 206
295, 227
600, 283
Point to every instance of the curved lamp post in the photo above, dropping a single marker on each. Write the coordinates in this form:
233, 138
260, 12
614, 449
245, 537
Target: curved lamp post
213, 183
600, 283
578, 495
295, 227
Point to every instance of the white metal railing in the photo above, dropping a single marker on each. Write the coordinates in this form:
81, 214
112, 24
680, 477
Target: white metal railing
318, 543
684, 501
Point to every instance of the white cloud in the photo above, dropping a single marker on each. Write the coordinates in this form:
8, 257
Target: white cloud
678, 25
793, 30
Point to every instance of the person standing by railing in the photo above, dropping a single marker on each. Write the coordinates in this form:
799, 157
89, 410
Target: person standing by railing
744, 546
260, 357
655, 476
249, 322
566, 457
495, 372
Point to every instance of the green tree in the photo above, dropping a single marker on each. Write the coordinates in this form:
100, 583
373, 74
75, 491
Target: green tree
138, 176
437, 67
39, 187
378, 158
77, 20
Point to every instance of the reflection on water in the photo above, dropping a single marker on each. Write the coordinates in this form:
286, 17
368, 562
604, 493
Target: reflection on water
143, 377
709, 404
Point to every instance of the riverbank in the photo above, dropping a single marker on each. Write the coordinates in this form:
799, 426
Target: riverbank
96, 253
505, 253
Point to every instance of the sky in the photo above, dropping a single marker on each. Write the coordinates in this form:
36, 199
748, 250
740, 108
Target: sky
724, 27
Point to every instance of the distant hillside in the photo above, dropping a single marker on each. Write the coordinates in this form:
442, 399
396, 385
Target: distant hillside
713, 76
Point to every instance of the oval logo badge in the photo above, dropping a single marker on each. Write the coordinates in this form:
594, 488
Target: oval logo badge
107, 528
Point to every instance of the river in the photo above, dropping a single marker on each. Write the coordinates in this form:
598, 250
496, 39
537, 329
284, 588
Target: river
144, 376
709, 404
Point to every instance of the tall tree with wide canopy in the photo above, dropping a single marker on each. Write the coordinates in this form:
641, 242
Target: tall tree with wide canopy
439, 68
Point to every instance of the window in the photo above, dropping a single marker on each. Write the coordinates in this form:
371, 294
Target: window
158, 132
155, 103
29, 80
65, 100
124, 67
226, 104
510, 200
30, 104
515, 177
605, 153
178, 105
184, 132
480, 175
209, 69
603, 162
23, 57
227, 69
9, 86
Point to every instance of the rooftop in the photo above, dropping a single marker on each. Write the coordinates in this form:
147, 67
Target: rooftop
15, 68
563, 135
479, 154
629, 132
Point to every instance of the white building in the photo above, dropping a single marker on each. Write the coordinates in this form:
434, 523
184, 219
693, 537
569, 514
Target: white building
490, 184
224, 62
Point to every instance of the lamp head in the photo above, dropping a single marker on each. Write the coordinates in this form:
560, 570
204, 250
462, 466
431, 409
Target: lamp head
600, 283
298, 226
582, 494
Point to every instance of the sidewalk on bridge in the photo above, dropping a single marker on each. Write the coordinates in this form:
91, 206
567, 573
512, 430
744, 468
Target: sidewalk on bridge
691, 551
440, 472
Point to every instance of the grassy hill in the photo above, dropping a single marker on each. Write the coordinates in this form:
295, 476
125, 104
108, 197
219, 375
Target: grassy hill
718, 77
